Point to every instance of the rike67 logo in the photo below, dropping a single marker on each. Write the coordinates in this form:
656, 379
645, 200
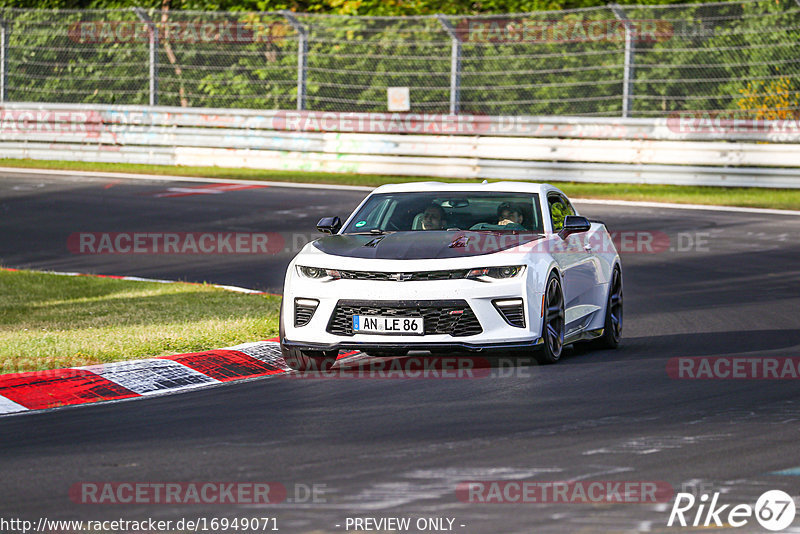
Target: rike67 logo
774, 510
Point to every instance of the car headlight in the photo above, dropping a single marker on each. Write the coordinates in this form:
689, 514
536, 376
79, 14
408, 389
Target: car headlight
488, 274
318, 273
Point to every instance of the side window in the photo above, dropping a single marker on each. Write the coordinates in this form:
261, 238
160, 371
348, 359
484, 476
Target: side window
568, 206
559, 209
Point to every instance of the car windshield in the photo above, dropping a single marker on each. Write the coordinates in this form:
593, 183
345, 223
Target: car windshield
493, 211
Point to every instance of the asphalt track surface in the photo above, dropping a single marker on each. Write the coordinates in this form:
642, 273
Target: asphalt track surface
398, 448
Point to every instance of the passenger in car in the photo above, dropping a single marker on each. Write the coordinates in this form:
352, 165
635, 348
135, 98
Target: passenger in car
509, 214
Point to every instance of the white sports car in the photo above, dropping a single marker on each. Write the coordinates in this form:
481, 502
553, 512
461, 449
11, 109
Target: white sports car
453, 267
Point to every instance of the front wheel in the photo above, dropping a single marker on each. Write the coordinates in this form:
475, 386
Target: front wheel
553, 322
299, 360
308, 360
612, 328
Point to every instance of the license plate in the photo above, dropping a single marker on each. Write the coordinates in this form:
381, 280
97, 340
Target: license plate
376, 324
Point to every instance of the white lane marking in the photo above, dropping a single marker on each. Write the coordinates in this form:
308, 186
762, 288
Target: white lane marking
238, 289
701, 207
168, 178
295, 185
151, 375
9, 406
156, 280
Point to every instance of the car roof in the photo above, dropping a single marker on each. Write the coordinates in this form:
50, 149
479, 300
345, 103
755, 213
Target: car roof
506, 187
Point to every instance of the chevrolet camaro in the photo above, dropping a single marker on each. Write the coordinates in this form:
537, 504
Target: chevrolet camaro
437, 267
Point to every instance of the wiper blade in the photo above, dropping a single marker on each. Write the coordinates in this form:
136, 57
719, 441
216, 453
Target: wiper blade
503, 232
374, 231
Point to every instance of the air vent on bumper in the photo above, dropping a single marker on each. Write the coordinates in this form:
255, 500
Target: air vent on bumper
304, 310
512, 311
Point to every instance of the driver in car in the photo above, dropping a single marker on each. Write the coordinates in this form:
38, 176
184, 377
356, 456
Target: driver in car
433, 218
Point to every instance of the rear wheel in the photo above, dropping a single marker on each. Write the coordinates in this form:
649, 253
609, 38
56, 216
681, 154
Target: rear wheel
612, 328
553, 331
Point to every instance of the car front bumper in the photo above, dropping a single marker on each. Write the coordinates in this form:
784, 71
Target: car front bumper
496, 333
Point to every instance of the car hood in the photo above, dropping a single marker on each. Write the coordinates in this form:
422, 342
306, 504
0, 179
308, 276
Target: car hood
422, 245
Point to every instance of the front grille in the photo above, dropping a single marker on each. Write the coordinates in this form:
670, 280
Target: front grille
419, 276
453, 317
303, 312
513, 314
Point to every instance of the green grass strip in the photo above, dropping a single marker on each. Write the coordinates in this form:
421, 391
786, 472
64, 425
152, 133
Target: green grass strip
50, 321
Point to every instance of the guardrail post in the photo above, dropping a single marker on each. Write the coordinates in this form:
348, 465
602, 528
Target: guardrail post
628, 75
3, 60
455, 64
302, 57
153, 31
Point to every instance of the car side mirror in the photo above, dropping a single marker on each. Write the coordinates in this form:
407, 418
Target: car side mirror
329, 225
574, 224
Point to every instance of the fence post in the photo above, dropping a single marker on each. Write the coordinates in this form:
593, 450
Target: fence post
153, 31
302, 57
455, 64
3, 60
628, 75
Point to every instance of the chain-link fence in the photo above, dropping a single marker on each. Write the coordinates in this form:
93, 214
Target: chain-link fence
637, 61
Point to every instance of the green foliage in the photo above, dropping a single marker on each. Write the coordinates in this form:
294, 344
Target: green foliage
340, 7
728, 56
558, 211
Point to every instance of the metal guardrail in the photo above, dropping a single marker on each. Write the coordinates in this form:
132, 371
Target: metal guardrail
678, 127
685, 151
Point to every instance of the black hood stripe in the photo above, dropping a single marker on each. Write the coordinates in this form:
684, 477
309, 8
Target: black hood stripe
422, 245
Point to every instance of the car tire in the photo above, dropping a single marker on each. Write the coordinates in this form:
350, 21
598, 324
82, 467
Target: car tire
308, 360
612, 327
301, 360
552, 322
